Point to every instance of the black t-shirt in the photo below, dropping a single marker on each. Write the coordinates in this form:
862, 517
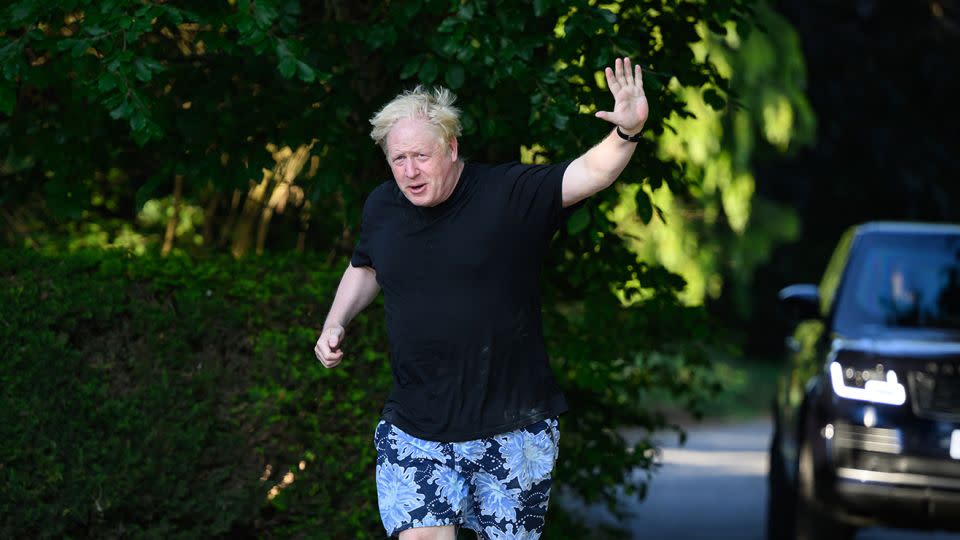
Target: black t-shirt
461, 290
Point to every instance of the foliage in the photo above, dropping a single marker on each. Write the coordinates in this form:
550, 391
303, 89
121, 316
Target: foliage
140, 93
155, 398
259, 109
718, 232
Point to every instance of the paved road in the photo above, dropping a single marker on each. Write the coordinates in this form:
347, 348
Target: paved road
714, 487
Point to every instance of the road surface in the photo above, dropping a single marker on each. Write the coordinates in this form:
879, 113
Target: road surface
714, 487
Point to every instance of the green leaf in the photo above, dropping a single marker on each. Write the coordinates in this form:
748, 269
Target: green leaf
138, 122
306, 72
608, 15
8, 97
22, 11
429, 71
142, 70
121, 111
713, 98
660, 214
410, 68
579, 221
288, 66
448, 25
560, 121
455, 76
644, 206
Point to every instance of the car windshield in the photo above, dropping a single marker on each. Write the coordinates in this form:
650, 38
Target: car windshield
902, 281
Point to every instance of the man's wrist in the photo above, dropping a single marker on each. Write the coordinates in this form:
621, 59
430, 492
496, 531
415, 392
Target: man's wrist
629, 135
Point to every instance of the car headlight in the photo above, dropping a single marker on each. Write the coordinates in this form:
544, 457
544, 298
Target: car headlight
874, 384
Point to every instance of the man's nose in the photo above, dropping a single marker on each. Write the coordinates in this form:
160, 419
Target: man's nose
409, 169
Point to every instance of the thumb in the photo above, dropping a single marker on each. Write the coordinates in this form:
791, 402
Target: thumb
603, 115
335, 335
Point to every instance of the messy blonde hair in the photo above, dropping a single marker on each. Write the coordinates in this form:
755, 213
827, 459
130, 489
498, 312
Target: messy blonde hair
436, 108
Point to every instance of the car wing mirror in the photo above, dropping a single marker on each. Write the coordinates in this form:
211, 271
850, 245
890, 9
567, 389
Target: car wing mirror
799, 302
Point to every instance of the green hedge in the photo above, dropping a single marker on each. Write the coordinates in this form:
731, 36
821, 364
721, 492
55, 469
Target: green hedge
167, 398
143, 397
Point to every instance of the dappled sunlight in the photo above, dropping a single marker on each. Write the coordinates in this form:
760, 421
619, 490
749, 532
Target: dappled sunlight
711, 238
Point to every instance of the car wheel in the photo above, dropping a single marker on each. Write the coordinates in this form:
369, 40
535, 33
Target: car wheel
811, 522
780, 498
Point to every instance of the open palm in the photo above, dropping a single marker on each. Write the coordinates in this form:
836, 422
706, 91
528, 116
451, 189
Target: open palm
630, 108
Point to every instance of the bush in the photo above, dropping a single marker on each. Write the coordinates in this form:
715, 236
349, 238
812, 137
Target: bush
163, 398
174, 398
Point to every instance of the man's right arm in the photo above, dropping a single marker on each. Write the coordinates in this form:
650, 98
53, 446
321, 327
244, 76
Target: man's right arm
358, 287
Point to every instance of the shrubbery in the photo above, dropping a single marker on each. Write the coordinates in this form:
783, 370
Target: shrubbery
173, 398
142, 397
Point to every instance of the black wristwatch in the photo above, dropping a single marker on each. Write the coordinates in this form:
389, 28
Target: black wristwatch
631, 138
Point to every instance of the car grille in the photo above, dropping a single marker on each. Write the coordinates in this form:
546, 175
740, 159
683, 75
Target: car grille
854, 437
935, 395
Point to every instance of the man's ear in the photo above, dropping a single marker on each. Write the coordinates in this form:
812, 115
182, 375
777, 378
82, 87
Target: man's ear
453, 149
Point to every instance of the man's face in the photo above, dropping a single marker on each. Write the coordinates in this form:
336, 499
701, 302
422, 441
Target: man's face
424, 171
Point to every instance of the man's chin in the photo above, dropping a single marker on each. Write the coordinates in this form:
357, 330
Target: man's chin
421, 200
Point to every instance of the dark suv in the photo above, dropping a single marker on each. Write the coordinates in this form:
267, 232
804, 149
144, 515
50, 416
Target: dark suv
867, 416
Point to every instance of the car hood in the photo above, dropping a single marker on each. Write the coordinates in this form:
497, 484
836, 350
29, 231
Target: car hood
900, 343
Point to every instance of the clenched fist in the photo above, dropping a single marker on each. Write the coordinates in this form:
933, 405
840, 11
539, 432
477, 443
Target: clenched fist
328, 346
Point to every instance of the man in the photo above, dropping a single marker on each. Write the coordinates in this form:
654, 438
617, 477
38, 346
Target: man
468, 437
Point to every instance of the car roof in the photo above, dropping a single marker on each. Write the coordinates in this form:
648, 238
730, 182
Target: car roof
913, 227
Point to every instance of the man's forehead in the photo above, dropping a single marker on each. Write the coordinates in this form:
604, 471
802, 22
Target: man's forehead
410, 134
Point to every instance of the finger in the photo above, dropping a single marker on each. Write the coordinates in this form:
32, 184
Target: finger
604, 115
612, 83
638, 76
330, 363
619, 71
627, 71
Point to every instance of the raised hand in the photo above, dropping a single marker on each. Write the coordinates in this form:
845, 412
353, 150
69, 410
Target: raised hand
630, 108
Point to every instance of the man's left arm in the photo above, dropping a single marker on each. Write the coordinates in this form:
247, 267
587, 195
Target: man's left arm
601, 165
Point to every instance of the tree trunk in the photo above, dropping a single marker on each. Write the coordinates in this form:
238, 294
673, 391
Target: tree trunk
174, 216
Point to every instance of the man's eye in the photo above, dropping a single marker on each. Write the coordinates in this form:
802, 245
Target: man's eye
422, 156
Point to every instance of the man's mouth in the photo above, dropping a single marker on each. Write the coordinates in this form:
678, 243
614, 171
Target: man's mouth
417, 189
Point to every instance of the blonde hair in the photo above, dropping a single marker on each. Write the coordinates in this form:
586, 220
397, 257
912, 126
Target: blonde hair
436, 108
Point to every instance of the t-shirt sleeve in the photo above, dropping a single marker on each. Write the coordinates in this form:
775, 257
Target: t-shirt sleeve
536, 195
361, 251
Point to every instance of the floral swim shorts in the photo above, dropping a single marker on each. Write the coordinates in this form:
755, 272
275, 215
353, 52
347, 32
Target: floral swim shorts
497, 486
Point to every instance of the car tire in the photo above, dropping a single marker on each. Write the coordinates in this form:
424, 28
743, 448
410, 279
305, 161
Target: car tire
810, 522
780, 498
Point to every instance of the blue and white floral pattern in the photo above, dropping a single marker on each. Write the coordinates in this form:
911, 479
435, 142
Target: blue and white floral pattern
498, 486
397, 494
509, 533
496, 499
528, 456
408, 445
472, 450
451, 485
